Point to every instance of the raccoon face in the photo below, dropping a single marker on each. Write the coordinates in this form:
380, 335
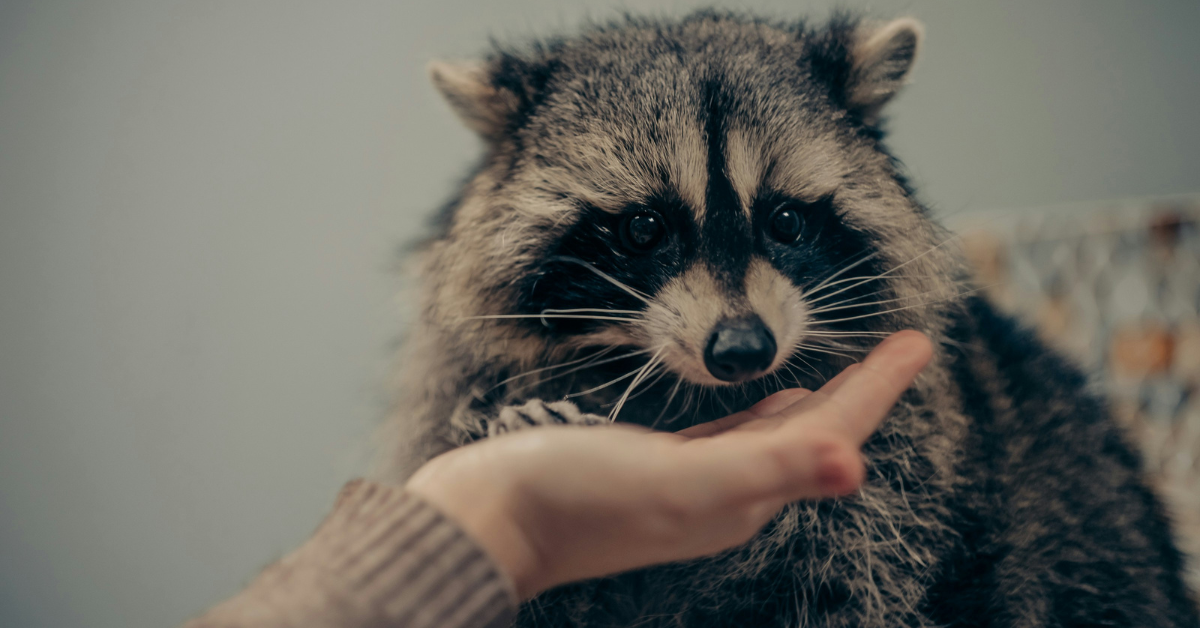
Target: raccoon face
710, 191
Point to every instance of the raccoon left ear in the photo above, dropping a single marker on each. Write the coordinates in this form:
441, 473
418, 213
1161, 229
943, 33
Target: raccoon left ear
472, 93
881, 59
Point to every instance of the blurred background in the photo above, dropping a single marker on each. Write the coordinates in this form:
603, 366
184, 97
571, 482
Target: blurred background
201, 204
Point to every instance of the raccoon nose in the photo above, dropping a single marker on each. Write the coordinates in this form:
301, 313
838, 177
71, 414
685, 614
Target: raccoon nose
739, 349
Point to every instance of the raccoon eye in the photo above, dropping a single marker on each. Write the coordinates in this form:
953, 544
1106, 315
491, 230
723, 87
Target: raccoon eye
784, 225
642, 231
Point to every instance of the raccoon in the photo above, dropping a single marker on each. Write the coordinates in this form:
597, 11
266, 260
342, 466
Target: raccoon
675, 218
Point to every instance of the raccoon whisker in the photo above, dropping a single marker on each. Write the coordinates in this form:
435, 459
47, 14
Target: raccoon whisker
590, 356
856, 344
849, 287
864, 259
873, 278
656, 368
792, 371
821, 350
830, 344
545, 316
604, 361
703, 394
589, 309
849, 344
659, 372
688, 401
890, 270
688, 395
667, 405
552, 313
596, 362
861, 280
580, 368
778, 381
812, 368
849, 356
563, 258
900, 309
849, 299
781, 382
831, 307
845, 334
839, 304
721, 400
589, 391
655, 372
637, 380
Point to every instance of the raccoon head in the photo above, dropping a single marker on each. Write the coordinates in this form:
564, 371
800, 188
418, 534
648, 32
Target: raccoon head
711, 191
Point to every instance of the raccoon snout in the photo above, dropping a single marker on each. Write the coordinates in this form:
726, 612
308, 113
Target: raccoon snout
739, 349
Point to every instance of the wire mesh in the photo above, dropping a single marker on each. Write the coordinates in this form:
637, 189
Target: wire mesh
1117, 287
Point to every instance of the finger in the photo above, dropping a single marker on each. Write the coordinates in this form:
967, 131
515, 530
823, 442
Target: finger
867, 394
813, 400
777, 402
839, 379
822, 459
765, 408
743, 467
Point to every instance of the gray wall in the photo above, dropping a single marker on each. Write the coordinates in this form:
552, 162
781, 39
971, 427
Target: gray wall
200, 202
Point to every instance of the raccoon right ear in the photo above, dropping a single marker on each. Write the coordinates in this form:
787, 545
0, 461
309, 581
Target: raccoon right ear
880, 59
468, 87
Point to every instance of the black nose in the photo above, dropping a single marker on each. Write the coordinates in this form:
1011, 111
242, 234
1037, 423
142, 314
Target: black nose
739, 349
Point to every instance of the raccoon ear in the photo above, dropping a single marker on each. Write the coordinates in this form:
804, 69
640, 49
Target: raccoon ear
468, 87
880, 60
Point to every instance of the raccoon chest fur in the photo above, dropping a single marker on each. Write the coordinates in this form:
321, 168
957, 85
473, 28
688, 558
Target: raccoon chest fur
675, 219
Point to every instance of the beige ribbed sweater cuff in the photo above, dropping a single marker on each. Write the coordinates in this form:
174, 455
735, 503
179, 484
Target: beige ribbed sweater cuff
382, 558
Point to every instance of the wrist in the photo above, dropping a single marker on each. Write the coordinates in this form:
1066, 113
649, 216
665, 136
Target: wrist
491, 518
504, 534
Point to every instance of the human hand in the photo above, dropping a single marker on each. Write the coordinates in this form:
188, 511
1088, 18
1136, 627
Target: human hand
560, 503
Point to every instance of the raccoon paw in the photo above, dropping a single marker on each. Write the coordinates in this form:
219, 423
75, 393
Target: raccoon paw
536, 412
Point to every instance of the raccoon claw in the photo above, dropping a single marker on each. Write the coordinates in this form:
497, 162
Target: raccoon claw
536, 412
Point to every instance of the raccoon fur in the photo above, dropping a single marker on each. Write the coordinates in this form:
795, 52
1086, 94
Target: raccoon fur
676, 218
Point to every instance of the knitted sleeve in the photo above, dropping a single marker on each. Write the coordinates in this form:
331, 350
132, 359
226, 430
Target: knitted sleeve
382, 558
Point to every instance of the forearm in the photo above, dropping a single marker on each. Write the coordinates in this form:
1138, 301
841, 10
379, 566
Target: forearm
383, 557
